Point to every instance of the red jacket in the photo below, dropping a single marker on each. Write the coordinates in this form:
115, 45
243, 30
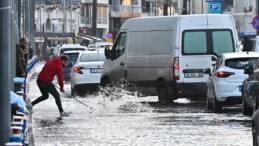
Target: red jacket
51, 68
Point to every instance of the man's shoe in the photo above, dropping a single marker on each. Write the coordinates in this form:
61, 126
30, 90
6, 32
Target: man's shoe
65, 114
29, 107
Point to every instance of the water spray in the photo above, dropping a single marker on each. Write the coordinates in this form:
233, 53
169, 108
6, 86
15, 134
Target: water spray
77, 100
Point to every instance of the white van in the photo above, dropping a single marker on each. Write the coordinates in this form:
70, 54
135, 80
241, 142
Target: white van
168, 53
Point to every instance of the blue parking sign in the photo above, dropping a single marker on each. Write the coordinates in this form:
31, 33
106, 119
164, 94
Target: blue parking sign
255, 22
215, 7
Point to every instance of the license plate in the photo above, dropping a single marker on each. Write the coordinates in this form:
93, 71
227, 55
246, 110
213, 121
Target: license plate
95, 70
193, 75
240, 88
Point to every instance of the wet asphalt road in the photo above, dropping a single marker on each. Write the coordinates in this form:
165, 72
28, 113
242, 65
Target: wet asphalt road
133, 121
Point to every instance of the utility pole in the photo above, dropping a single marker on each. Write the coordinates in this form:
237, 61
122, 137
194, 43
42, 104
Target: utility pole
184, 7
94, 17
5, 73
65, 16
71, 25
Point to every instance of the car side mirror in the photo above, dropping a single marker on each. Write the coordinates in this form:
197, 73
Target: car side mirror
107, 52
248, 70
207, 71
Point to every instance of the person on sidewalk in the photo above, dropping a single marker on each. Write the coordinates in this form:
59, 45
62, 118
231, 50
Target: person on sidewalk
52, 68
21, 60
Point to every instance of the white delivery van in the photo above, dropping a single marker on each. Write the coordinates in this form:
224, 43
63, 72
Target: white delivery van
168, 53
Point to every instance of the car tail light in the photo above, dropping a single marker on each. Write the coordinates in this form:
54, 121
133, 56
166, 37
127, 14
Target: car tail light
175, 68
77, 70
224, 74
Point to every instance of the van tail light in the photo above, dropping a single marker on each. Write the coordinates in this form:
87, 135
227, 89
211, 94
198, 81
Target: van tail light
224, 74
175, 68
77, 70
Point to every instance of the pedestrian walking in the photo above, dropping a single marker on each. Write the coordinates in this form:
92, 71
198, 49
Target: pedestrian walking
38, 52
21, 57
30, 51
52, 68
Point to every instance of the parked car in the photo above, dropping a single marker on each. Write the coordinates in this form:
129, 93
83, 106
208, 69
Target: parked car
250, 88
86, 72
224, 84
73, 57
60, 49
255, 128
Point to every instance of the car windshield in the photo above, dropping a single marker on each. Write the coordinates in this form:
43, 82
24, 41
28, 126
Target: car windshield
240, 63
92, 57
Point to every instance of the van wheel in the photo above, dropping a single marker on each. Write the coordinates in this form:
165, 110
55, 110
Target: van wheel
163, 95
105, 82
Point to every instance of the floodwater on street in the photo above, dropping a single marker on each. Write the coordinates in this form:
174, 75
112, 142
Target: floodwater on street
128, 120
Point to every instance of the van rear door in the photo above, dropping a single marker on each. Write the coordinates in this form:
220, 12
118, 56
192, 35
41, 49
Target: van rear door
200, 49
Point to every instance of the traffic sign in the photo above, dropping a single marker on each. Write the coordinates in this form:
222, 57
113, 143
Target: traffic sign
215, 7
255, 22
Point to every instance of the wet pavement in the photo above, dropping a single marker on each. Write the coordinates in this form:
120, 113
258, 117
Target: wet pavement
133, 121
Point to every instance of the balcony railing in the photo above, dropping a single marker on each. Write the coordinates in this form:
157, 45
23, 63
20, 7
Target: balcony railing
130, 11
88, 20
58, 2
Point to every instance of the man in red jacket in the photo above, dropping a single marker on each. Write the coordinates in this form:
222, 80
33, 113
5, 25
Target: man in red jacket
52, 68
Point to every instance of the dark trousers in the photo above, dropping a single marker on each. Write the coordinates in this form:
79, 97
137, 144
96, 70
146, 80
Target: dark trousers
45, 89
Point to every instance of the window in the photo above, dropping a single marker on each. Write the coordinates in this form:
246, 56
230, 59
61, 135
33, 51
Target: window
207, 42
195, 42
120, 44
92, 57
222, 42
240, 63
218, 63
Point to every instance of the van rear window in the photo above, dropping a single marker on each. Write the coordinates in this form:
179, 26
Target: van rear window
207, 42
240, 63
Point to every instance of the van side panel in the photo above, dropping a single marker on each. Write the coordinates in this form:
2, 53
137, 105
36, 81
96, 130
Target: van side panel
150, 51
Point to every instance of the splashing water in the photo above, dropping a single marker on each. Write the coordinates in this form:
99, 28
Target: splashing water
118, 100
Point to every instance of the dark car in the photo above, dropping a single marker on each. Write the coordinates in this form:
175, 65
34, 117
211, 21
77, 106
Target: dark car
249, 100
255, 128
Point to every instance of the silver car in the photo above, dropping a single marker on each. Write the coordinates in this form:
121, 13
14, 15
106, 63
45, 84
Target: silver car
86, 73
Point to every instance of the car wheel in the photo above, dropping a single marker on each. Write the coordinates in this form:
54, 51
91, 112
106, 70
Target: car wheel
209, 104
255, 128
163, 94
245, 109
217, 106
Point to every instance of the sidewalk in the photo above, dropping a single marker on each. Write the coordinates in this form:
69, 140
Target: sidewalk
30, 76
